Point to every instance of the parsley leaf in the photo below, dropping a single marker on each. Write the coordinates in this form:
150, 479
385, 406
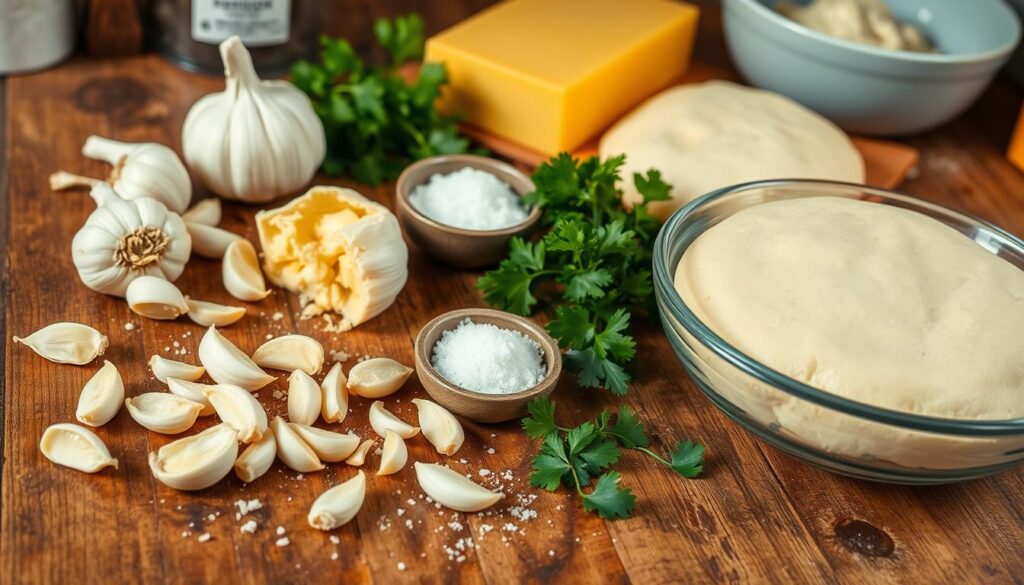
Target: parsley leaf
551, 465
628, 430
688, 458
608, 499
541, 421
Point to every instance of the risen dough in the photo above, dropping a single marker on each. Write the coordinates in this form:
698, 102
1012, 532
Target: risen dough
705, 136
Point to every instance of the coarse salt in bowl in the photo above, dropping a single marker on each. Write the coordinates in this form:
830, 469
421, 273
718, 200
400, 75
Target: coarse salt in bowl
485, 358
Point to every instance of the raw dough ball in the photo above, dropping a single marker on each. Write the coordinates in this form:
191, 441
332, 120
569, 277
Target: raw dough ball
711, 135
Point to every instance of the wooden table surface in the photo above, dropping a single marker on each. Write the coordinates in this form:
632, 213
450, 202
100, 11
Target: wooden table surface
756, 515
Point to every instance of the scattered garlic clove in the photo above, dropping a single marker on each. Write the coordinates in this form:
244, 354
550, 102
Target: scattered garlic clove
292, 450
328, 445
239, 409
377, 377
227, 364
76, 447
206, 212
394, 454
164, 368
210, 241
257, 458
439, 426
66, 343
290, 353
303, 398
452, 489
193, 391
162, 412
241, 272
155, 298
143, 170
338, 505
209, 314
334, 395
197, 461
101, 397
359, 456
383, 420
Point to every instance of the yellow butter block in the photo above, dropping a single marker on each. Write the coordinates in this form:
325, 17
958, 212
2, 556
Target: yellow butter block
551, 74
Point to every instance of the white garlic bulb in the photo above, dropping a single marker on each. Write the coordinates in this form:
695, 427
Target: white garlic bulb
257, 139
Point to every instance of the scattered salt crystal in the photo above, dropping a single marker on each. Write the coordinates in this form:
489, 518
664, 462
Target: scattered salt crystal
484, 358
334, 556
490, 451
204, 537
277, 316
129, 326
335, 539
401, 566
470, 199
167, 348
400, 511
248, 528
269, 336
484, 472
280, 530
246, 506
283, 541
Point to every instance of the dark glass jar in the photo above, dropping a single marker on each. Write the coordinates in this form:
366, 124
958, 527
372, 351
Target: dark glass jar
276, 32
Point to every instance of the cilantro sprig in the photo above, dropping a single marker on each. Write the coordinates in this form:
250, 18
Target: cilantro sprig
597, 254
376, 122
581, 457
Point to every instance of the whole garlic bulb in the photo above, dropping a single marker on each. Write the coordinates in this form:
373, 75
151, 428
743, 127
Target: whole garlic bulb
257, 139
127, 238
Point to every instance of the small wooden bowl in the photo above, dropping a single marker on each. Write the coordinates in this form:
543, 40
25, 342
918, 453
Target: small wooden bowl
454, 246
484, 408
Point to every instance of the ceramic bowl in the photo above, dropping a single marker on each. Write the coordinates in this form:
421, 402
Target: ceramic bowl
454, 246
868, 89
484, 408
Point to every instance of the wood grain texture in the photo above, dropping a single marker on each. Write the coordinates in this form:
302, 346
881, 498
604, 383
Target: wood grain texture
755, 516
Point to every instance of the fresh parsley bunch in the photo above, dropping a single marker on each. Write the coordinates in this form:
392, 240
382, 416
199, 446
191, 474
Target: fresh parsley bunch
377, 123
598, 256
572, 457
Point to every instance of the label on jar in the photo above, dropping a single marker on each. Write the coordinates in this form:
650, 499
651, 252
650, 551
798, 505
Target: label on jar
259, 23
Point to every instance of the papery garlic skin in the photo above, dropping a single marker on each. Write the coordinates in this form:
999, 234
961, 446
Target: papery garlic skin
328, 445
241, 272
101, 397
439, 426
193, 391
334, 395
338, 505
210, 241
163, 412
239, 409
292, 450
383, 420
358, 457
452, 489
197, 461
303, 398
290, 353
227, 364
144, 169
256, 140
394, 454
164, 368
76, 447
66, 343
124, 239
208, 314
257, 458
207, 212
377, 377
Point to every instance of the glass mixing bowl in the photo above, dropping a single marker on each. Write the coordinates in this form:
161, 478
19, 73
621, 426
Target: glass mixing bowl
836, 433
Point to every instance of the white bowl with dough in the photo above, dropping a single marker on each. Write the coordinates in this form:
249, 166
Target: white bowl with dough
885, 415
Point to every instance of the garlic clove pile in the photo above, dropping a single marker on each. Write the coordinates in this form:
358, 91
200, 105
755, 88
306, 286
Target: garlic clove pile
239, 409
439, 426
338, 505
227, 364
210, 241
382, 421
206, 212
144, 169
241, 272
208, 314
377, 377
291, 352
164, 368
162, 412
394, 454
101, 397
334, 395
292, 450
452, 489
328, 445
303, 398
155, 298
193, 391
257, 458
197, 461
66, 343
76, 447
358, 457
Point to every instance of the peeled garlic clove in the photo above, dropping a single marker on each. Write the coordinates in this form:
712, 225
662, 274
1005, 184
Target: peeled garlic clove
452, 489
439, 426
155, 298
75, 447
338, 505
209, 314
382, 420
359, 456
241, 272
334, 395
239, 409
227, 364
257, 458
197, 461
210, 241
193, 391
66, 343
292, 450
101, 396
303, 398
206, 212
162, 412
377, 377
164, 368
328, 445
291, 352
394, 454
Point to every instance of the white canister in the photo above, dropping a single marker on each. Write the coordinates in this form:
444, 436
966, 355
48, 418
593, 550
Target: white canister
35, 34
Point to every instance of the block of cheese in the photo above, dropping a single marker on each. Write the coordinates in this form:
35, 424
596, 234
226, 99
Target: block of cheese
551, 74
